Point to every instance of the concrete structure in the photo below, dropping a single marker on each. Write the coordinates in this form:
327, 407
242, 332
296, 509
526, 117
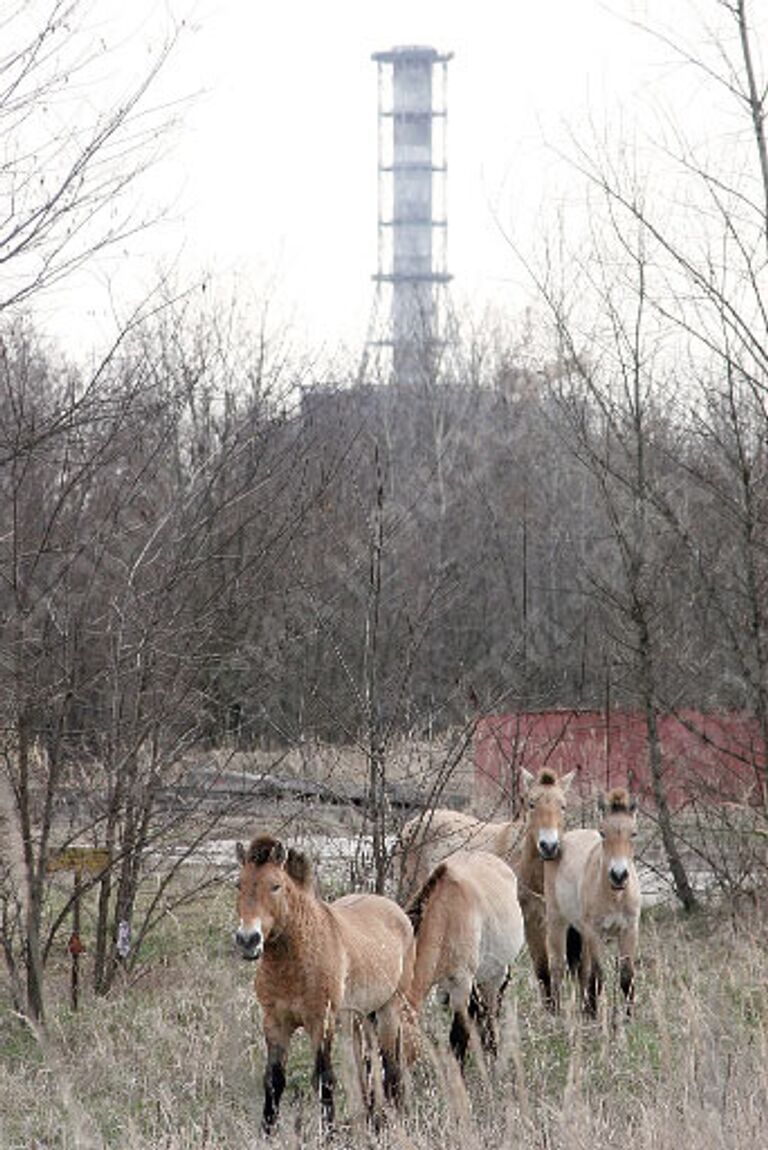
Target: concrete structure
412, 224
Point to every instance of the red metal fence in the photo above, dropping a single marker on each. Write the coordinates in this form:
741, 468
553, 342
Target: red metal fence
713, 756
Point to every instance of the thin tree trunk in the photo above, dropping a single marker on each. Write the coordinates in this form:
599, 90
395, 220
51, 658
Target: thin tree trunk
33, 959
756, 105
376, 756
683, 889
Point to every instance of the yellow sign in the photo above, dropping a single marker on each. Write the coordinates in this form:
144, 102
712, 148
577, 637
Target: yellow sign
90, 859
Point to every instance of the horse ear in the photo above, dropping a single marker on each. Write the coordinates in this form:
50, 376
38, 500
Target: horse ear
299, 868
632, 804
240, 852
277, 854
565, 782
527, 778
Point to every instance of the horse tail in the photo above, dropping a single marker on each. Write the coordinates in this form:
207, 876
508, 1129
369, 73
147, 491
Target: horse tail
573, 949
417, 905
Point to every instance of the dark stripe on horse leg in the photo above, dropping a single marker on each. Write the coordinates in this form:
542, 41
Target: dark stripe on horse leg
545, 982
573, 949
389, 1042
593, 987
627, 981
390, 1063
459, 1037
323, 1080
484, 1017
274, 1084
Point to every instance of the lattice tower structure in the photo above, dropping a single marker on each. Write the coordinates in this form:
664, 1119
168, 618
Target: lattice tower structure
412, 274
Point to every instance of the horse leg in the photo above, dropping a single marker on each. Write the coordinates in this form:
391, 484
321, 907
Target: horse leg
556, 943
501, 989
357, 1067
574, 951
488, 998
627, 981
627, 948
590, 974
460, 1034
477, 1010
389, 1033
369, 1046
277, 1038
323, 1081
534, 919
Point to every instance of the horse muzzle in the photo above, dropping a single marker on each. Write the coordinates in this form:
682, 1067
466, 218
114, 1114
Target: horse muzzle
549, 849
618, 878
250, 944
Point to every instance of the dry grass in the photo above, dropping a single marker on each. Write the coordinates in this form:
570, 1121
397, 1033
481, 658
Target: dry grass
173, 1061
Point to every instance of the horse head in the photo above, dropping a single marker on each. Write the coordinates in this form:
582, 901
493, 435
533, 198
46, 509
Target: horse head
618, 827
268, 875
545, 798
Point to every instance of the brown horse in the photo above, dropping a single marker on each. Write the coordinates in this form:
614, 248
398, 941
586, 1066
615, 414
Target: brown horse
319, 962
469, 928
432, 836
593, 894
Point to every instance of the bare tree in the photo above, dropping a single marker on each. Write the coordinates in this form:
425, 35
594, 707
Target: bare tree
74, 143
661, 326
718, 312
139, 514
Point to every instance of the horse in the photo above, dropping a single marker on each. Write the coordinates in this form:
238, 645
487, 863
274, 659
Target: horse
468, 928
593, 895
319, 963
525, 844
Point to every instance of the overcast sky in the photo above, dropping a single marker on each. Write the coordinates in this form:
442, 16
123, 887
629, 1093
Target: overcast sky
272, 176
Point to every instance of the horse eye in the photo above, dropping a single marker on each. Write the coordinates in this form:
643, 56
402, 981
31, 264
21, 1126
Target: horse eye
276, 886
531, 803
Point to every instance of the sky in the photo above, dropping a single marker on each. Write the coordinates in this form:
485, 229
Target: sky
269, 182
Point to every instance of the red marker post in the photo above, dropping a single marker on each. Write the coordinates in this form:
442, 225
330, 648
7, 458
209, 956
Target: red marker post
81, 860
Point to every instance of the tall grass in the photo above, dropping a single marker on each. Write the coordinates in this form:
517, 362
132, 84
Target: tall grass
173, 1061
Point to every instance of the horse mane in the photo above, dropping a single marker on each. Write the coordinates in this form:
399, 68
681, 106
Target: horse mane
266, 848
417, 905
618, 801
547, 778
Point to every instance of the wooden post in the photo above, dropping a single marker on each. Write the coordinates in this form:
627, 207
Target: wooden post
80, 860
75, 945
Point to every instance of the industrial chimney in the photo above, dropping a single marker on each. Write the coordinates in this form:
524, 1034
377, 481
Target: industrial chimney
412, 224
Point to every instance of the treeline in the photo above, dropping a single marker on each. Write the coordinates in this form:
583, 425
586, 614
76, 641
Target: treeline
197, 548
